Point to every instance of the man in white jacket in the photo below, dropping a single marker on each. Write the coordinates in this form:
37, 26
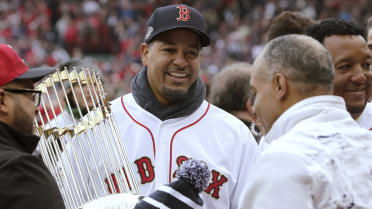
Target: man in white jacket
316, 155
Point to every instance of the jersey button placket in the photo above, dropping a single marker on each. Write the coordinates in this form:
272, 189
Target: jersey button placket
162, 153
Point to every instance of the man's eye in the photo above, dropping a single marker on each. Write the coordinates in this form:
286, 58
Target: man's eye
366, 65
169, 50
193, 53
344, 67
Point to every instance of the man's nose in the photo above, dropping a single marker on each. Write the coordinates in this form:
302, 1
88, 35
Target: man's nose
359, 75
180, 60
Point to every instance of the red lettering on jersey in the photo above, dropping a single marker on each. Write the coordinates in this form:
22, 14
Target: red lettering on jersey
370, 129
217, 181
184, 13
126, 178
145, 169
179, 161
114, 181
108, 185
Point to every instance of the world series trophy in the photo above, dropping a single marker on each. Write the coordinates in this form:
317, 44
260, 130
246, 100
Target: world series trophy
81, 146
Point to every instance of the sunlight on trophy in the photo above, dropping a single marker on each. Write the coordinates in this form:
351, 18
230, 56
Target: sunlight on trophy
83, 140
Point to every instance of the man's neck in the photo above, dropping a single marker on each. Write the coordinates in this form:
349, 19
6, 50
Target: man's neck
356, 115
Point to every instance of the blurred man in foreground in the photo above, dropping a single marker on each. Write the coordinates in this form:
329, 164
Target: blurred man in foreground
288, 22
230, 92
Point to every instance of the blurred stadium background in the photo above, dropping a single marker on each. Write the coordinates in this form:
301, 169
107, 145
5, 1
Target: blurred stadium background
109, 32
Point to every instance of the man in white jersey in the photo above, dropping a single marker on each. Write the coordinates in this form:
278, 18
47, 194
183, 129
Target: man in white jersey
346, 41
71, 116
316, 155
68, 116
166, 120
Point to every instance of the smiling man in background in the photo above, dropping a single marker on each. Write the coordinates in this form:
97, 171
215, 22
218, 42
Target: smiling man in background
346, 41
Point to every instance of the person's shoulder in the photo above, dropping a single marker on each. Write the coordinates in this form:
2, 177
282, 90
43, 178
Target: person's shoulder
228, 125
322, 139
369, 107
299, 141
25, 159
281, 159
365, 120
224, 117
28, 173
9, 155
284, 174
124, 100
19, 163
120, 98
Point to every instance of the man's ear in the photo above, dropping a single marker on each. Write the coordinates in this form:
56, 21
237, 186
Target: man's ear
144, 53
249, 108
280, 86
3, 102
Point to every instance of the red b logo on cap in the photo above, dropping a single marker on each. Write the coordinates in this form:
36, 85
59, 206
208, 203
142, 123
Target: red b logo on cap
184, 13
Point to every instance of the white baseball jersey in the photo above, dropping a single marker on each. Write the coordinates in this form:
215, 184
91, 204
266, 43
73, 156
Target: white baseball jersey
316, 156
365, 119
156, 149
62, 120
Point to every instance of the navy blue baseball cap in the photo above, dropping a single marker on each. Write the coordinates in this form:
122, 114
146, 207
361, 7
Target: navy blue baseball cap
176, 16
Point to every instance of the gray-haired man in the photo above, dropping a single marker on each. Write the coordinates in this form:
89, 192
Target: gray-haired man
316, 155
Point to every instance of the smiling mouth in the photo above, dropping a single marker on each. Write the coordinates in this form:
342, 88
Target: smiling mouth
356, 94
356, 90
178, 74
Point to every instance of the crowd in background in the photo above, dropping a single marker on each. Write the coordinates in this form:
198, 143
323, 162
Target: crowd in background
48, 32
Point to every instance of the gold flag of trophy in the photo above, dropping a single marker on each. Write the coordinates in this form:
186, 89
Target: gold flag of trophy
83, 140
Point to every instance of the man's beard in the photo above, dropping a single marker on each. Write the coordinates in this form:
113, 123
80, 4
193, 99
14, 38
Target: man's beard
21, 122
356, 110
174, 96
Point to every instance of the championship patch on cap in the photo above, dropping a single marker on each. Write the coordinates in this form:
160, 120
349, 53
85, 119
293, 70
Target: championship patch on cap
149, 31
